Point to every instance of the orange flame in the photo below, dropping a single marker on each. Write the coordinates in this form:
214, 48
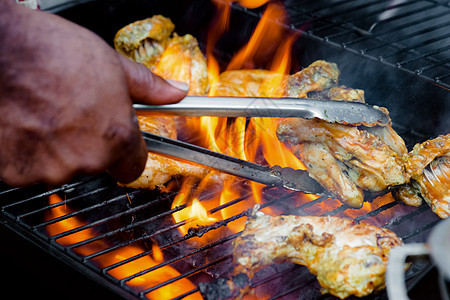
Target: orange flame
267, 35
195, 214
237, 137
252, 3
142, 282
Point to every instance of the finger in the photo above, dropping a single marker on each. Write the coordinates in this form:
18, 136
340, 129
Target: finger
130, 165
147, 87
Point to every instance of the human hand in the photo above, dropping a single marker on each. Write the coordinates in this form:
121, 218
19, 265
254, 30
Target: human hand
66, 101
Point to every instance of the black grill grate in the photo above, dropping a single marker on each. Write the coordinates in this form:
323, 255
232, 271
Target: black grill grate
123, 217
412, 36
409, 36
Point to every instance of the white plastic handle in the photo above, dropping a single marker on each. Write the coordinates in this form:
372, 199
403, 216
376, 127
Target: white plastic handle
395, 271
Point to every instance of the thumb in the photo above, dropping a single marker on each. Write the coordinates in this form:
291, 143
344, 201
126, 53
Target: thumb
146, 87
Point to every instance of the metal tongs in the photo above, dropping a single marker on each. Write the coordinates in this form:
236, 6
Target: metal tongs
342, 112
296, 180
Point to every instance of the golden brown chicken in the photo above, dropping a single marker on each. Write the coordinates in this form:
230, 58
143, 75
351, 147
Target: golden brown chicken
183, 60
153, 43
347, 258
149, 42
318, 76
144, 41
159, 169
345, 159
428, 164
241, 82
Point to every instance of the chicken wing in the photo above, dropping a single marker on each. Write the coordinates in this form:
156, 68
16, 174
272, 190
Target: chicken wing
144, 41
149, 42
154, 43
347, 258
183, 60
159, 169
428, 165
344, 159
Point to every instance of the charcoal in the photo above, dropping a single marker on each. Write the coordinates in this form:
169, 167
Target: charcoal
224, 288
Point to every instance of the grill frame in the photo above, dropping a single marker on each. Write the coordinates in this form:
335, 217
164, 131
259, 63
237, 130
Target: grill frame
309, 39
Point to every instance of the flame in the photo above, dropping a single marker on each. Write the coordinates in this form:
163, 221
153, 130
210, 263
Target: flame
252, 3
194, 214
267, 34
198, 212
142, 282
255, 140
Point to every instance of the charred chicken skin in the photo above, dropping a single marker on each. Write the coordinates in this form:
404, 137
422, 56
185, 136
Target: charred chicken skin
153, 43
428, 165
347, 258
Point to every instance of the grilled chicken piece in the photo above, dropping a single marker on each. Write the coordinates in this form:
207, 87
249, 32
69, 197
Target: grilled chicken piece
317, 76
149, 42
159, 169
345, 159
244, 83
347, 258
341, 93
428, 164
144, 41
182, 60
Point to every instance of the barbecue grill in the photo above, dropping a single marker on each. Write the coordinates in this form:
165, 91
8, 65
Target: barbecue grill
397, 51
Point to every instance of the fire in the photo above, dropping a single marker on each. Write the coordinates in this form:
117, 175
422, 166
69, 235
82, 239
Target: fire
145, 280
266, 36
194, 214
238, 137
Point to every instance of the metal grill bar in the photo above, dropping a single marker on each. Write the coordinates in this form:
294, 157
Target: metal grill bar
187, 294
173, 260
419, 230
411, 60
352, 18
369, 34
187, 274
340, 18
103, 220
394, 29
409, 36
334, 24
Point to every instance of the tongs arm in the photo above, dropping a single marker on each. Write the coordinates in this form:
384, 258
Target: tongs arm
289, 178
343, 112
